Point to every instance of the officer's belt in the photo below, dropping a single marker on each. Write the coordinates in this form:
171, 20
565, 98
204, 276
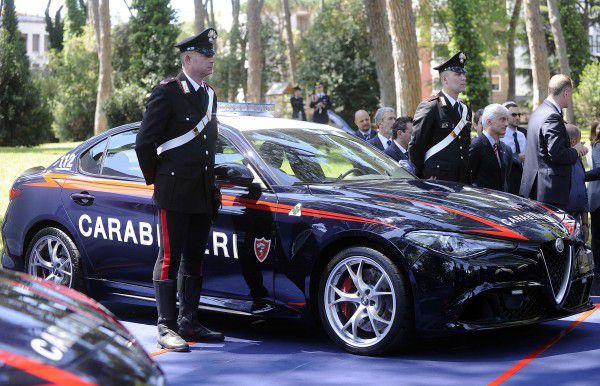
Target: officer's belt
450, 137
185, 138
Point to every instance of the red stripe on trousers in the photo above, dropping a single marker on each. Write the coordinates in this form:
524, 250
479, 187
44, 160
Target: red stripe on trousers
164, 272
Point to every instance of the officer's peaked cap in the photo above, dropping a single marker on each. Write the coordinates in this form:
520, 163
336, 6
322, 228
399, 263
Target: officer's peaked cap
202, 43
454, 64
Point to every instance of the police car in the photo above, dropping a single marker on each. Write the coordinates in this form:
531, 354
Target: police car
314, 222
53, 335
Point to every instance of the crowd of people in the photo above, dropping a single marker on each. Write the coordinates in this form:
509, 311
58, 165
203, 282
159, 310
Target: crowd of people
488, 149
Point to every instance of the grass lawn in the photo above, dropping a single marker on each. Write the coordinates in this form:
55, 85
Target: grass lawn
15, 160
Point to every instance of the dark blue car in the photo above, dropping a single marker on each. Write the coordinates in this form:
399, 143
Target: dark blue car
314, 222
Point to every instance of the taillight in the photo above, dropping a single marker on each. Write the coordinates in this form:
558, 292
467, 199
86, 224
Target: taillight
14, 193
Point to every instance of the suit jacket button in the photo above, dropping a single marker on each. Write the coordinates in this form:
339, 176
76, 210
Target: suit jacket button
460, 147
437, 166
172, 173
206, 168
187, 118
206, 152
204, 136
461, 157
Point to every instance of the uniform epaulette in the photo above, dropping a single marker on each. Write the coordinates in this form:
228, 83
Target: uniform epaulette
167, 81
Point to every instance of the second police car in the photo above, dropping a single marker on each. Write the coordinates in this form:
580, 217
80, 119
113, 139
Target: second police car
313, 223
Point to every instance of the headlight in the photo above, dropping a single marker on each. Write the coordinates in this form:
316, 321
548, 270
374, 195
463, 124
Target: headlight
456, 244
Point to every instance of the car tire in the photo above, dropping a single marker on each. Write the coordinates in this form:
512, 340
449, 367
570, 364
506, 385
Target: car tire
385, 320
67, 258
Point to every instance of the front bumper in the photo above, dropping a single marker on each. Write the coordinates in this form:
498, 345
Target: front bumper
500, 289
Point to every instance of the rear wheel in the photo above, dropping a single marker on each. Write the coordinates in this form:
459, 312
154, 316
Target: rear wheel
53, 256
364, 303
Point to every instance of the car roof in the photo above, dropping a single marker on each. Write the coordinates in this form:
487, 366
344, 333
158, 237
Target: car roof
248, 123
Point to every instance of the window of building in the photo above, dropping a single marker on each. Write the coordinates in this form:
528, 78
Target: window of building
496, 83
24, 39
35, 43
46, 39
598, 43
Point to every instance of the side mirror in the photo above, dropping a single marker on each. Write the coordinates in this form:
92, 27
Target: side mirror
233, 173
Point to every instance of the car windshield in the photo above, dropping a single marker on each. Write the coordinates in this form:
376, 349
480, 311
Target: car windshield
308, 155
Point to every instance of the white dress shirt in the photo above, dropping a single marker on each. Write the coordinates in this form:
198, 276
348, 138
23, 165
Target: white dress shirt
509, 139
383, 140
195, 85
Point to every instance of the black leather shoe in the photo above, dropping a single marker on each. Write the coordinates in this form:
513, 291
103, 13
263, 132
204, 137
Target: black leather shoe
189, 298
165, 291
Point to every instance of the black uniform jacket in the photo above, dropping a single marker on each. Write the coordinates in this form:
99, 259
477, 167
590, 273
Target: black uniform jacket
548, 157
297, 108
320, 114
487, 172
433, 121
183, 177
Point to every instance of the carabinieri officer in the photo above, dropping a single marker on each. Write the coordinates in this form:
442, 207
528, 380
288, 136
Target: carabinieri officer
176, 151
439, 147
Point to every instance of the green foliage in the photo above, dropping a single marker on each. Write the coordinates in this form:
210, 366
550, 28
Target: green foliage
55, 29
125, 105
275, 63
24, 116
576, 37
76, 17
120, 51
71, 86
335, 50
587, 95
465, 37
153, 33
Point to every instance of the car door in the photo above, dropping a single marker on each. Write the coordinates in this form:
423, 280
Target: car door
112, 209
241, 251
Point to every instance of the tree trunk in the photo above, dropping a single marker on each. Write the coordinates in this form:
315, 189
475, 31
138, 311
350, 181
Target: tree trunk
510, 51
199, 16
254, 52
290, 40
561, 48
234, 44
406, 59
94, 18
424, 24
104, 59
537, 51
382, 51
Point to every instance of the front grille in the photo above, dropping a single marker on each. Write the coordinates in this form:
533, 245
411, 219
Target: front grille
558, 265
578, 294
500, 306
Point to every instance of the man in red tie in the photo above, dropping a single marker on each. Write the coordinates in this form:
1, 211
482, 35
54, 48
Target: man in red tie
490, 159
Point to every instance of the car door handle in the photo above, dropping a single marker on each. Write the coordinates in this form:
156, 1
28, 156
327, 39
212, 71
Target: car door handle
83, 198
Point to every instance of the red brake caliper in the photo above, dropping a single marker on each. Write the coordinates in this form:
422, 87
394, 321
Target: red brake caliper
346, 287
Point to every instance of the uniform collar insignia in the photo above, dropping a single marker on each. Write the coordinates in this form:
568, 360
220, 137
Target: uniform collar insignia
186, 88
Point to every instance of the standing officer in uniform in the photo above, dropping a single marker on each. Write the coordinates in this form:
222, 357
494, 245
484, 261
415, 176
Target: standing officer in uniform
176, 151
439, 147
321, 103
297, 103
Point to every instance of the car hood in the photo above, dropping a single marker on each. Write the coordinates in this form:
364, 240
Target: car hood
442, 205
64, 329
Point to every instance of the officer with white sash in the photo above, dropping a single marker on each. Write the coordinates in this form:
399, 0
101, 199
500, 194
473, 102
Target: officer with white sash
176, 151
439, 146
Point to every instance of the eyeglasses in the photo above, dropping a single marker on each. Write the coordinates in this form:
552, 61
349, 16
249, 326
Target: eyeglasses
516, 114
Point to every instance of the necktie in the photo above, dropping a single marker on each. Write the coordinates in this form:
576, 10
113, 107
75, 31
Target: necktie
517, 147
456, 108
496, 152
388, 143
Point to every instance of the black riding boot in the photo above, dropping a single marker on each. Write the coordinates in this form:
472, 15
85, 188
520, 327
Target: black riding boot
167, 312
189, 297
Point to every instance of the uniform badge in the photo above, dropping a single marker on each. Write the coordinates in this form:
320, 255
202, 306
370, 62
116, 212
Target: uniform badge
462, 57
296, 210
445, 125
261, 248
186, 88
212, 34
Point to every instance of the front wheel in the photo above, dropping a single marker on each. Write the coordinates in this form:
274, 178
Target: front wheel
53, 256
364, 302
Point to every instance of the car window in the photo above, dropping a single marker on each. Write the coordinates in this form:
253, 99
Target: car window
121, 159
320, 156
91, 160
226, 152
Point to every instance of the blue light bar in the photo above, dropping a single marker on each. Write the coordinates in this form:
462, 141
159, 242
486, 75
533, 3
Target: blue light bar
245, 109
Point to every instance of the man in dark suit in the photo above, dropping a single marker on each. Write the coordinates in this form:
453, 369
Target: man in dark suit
549, 155
516, 140
176, 151
297, 103
490, 159
321, 103
384, 119
363, 122
439, 147
401, 133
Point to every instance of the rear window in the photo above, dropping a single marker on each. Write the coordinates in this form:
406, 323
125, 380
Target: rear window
91, 160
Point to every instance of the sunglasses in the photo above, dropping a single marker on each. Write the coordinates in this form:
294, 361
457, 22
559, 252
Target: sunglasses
516, 114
